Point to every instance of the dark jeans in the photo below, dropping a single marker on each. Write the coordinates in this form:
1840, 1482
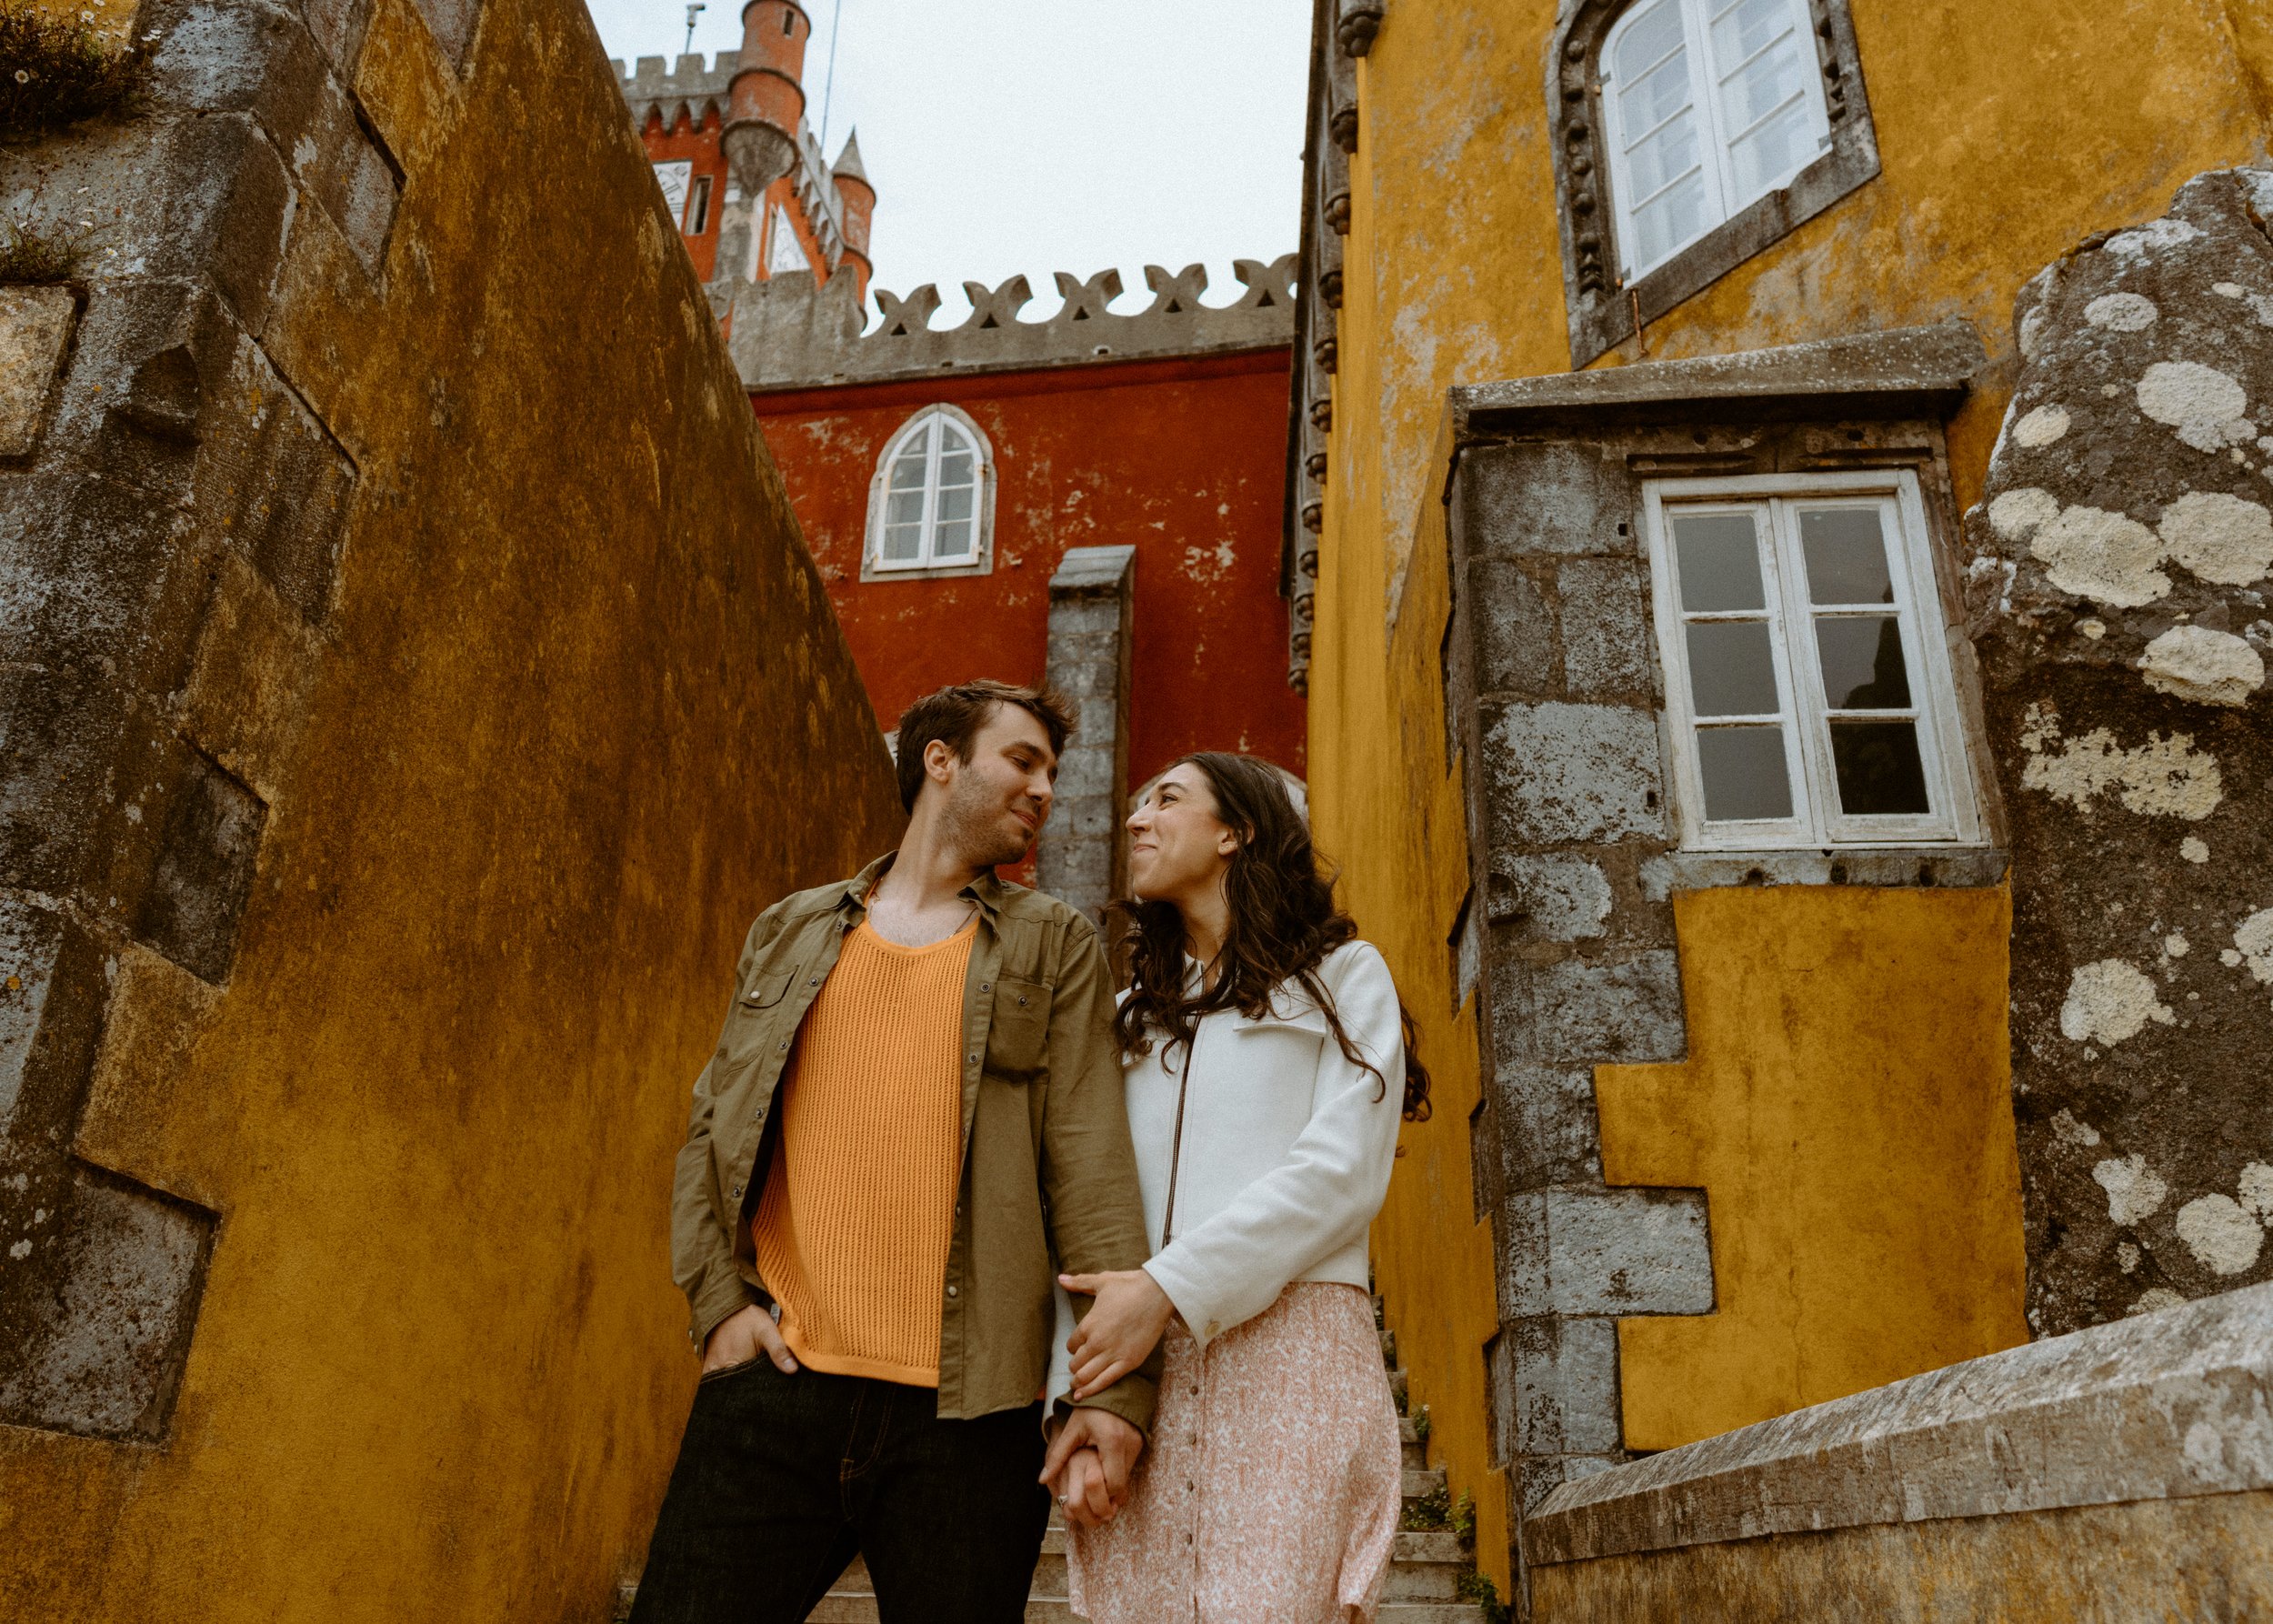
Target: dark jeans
781, 1480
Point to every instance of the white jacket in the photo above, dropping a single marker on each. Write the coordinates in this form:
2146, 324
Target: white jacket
1286, 1152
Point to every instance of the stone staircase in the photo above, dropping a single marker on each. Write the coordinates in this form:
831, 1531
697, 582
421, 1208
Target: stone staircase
1423, 1585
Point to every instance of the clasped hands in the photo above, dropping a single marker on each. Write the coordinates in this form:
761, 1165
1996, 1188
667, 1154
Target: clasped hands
1089, 1460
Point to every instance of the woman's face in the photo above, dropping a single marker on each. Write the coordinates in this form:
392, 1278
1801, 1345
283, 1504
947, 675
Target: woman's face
1179, 848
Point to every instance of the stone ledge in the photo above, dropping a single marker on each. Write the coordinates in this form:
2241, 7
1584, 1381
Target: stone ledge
1911, 865
2159, 1407
1908, 372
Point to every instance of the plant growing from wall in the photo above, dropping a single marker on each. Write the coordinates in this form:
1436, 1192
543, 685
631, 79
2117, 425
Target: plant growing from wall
56, 72
30, 254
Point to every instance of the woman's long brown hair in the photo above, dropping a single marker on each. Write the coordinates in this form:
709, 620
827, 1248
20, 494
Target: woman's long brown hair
1284, 922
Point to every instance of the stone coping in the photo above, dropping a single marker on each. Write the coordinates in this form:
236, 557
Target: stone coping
2161, 1405
1908, 372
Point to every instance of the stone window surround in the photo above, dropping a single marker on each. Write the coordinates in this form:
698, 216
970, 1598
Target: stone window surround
1574, 863
873, 543
1602, 310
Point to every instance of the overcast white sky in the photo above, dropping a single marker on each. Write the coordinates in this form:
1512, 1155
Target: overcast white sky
1040, 135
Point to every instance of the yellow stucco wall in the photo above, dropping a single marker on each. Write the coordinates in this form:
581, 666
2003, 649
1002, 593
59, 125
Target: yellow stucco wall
2006, 132
1846, 1106
580, 710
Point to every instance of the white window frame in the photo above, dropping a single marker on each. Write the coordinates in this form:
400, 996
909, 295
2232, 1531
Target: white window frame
697, 220
1723, 196
927, 564
1817, 823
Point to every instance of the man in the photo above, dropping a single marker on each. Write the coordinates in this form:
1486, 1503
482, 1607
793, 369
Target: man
916, 1102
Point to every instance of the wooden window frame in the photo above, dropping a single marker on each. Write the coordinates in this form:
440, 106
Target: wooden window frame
1944, 744
927, 565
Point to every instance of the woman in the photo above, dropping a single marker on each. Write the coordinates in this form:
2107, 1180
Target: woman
1266, 1062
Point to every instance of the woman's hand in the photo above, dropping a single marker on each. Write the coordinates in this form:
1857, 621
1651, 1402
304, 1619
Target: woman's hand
1120, 1329
1081, 1489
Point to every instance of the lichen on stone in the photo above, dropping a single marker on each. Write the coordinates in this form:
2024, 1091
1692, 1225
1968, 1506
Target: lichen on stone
2166, 777
2222, 538
2209, 667
2105, 557
2135, 1192
2111, 1002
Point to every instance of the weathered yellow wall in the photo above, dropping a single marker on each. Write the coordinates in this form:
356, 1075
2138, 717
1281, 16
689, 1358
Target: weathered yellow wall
579, 711
1846, 1107
1432, 1252
2208, 1556
2007, 132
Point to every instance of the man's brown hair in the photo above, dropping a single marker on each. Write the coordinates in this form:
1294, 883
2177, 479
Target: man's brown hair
955, 715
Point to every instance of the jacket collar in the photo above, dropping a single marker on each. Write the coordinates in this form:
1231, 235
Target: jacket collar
985, 890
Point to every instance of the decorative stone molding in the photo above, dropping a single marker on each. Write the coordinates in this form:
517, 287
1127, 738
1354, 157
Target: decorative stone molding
787, 333
1081, 858
1603, 309
1358, 23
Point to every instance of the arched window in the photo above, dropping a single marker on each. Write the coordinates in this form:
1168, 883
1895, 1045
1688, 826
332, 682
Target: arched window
931, 505
1711, 104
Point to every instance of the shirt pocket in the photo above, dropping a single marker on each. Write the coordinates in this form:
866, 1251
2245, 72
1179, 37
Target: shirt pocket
751, 1029
1017, 1033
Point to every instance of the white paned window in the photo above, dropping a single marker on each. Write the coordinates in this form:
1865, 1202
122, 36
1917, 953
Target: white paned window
785, 253
673, 178
931, 501
1808, 683
1711, 105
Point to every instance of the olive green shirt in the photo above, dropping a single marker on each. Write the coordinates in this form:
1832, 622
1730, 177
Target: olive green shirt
1048, 1177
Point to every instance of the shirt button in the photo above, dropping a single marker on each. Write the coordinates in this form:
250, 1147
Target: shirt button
971, 1060
737, 1190
953, 1291
986, 986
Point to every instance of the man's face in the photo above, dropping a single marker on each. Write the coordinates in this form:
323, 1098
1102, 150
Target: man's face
999, 800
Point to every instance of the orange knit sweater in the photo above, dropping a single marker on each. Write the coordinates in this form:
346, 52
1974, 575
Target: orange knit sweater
853, 1230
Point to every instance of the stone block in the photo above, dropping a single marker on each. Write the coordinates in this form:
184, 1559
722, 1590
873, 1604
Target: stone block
136, 1120
1607, 632
1514, 630
1595, 1012
1616, 1252
1548, 897
1554, 497
278, 485
1547, 1132
205, 870
34, 331
454, 23
1629, 1251
100, 1352
1566, 1382
228, 211
1557, 773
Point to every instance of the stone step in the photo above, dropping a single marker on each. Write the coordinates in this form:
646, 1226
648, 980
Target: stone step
1055, 1609
1423, 1482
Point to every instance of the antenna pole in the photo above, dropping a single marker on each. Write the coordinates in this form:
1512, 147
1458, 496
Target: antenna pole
692, 13
828, 86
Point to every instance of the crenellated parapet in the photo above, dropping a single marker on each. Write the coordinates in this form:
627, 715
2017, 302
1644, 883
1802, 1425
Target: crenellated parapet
787, 333
692, 88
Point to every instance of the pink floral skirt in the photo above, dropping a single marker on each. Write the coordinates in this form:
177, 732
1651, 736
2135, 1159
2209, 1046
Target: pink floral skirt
1271, 1489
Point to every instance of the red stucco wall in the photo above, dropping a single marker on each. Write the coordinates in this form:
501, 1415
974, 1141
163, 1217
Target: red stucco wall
1183, 459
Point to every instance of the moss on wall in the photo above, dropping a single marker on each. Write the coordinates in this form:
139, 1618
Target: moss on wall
556, 706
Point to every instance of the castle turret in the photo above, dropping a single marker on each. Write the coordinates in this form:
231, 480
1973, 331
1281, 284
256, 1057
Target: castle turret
766, 100
859, 198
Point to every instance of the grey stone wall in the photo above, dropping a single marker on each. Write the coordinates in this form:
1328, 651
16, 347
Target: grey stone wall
172, 505
1081, 858
2117, 600
1555, 699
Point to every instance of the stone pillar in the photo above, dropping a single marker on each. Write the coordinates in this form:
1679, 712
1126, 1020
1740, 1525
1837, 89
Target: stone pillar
1081, 858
